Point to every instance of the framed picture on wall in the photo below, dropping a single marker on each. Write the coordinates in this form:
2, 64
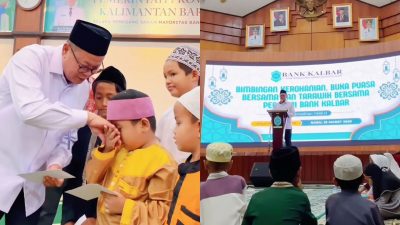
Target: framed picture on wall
342, 15
369, 29
255, 36
279, 20
7, 16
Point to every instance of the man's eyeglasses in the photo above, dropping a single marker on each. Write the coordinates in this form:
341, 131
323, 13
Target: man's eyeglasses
85, 69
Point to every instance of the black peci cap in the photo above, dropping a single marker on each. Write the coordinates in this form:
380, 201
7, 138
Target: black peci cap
90, 37
113, 75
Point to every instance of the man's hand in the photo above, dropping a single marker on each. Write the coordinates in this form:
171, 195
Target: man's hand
97, 123
53, 182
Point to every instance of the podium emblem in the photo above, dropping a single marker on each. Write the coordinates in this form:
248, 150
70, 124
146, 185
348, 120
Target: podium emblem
278, 121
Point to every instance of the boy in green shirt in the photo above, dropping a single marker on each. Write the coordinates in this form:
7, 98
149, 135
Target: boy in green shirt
283, 203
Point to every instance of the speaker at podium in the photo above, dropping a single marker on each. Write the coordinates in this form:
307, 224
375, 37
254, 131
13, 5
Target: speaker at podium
260, 176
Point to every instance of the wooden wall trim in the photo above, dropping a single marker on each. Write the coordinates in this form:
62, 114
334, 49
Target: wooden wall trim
216, 26
5, 34
368, 50
29, 21
391, 30
20, 42
212, 28
222, 19
220, 38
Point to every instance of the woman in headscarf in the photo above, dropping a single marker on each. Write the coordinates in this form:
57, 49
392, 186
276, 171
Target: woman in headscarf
393, 166
386, 190
383, 163
380, 160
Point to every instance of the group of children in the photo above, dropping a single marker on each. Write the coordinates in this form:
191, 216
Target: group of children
138, 165
222, 195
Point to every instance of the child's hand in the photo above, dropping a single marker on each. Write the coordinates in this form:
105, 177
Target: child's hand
112, 139
114, 204
96, 124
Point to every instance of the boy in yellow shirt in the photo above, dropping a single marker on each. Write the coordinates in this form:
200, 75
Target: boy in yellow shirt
185, 206
134, 165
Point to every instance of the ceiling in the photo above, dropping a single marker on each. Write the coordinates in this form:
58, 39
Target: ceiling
244, 7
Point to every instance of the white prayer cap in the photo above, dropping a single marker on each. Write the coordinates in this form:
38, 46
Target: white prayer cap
219, 152
191, 101
380, 160
347, 167
186, 55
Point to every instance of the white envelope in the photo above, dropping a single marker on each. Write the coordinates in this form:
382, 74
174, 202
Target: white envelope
89, 191
37, 177
81, 220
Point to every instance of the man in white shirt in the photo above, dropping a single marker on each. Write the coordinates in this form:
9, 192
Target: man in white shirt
43, 90
255, 37
283, 104
67, 15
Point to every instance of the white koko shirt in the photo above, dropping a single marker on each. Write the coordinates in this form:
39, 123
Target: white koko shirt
165, 133
38, 109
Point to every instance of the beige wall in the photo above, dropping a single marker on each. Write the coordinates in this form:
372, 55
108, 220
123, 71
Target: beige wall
142, 64
6, 51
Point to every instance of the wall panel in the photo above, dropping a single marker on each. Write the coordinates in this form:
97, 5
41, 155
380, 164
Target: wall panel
326, 41
211, 45
296, 43
226, 26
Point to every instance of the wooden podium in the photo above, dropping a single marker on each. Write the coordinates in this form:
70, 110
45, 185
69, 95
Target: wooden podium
278, 120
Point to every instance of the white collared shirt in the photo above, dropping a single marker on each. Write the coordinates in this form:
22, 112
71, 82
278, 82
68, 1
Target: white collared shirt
218, 175
289, 107
38, 109
165, 133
